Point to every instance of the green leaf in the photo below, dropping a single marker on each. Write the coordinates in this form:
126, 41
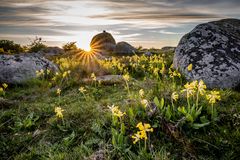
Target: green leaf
156, 101
162, 103
203, 119
189, 117
199, 125
168, 112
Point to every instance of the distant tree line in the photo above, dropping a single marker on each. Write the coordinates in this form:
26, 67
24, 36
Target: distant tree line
36, 45
10, 47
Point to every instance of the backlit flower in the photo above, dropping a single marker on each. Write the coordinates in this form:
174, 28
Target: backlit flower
58, 91
202, 87
136, 137
144, 127
189, 68
126, 77
141, 93
93, 77
116, 112
58, 111
144, 102
174, 96
189, 89
213, 97
82, 89
4, 85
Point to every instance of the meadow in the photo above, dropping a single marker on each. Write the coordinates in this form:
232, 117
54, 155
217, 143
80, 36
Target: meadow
153, 113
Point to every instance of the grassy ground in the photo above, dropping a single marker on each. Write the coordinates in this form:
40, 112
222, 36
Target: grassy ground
30, 128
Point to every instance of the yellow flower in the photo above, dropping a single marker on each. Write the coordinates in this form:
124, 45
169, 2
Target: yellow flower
136, 137
64, 74
58, 111
190, 67
116, 112
201, 87
213, 97
175, 96
40, 73
1, 90
141, 93
144, 127
93, 77
126, 77
48, 71
4, 85
155, 71
82, 89
58, 91
189, 88
144, 102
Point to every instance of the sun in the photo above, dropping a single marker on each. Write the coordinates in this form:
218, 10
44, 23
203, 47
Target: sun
87, 48
84, 45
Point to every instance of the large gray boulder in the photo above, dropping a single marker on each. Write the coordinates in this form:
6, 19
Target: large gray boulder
213, 49
103, 43
124, 48
17, 69
51, 51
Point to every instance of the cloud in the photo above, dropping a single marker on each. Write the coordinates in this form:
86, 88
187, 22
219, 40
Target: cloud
153, 22
168, 32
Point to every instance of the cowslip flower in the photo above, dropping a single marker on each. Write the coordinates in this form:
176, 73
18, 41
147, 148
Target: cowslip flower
141, 93
202, 87
174, 96
189, 89
142, 133
144, 127
126, 77
93, 77
144, 102
58, 111
4, 85
64, 74
190, 66
213, 97
58, 91
1, 90
82, 89
137, 136
116, 112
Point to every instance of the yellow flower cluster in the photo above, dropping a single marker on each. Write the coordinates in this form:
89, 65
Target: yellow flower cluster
93, 77
174, 73
193, 87
213, 97
116, 112
40, 73
142, 133
58, 91
66, 73
58, 111
126, 77
174, 96
4, 87
141, 93
82, 89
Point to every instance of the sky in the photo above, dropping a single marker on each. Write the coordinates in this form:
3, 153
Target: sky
147, 23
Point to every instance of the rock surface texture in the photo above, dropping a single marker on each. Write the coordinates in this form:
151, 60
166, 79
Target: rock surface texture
17, 69
103, 43
124, 48
213, 49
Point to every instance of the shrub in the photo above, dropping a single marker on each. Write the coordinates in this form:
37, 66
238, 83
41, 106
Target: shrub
36, 45
70, 46
10, 47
